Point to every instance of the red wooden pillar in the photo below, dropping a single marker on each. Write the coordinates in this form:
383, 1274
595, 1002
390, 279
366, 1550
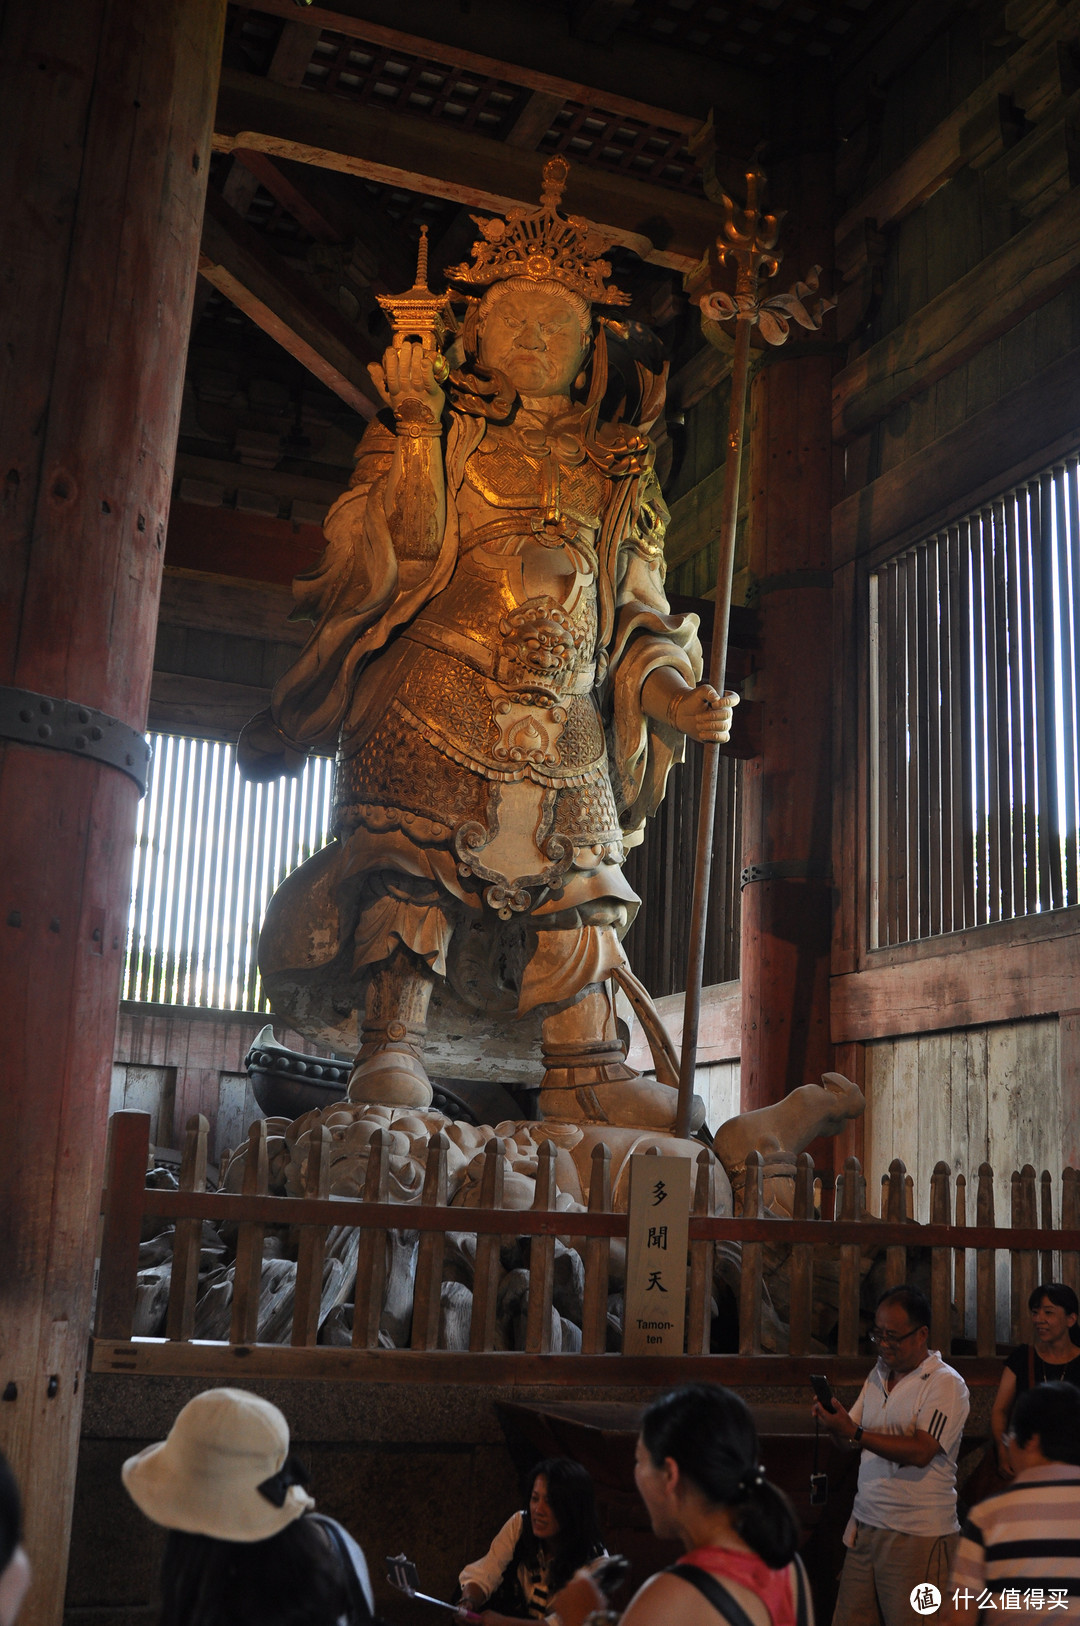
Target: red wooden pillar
787, 895
106, 112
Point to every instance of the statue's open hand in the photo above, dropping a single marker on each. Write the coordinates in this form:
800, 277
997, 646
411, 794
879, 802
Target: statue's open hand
407, 374
704, 715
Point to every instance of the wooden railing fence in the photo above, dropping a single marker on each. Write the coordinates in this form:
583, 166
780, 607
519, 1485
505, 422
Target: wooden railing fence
838, 1246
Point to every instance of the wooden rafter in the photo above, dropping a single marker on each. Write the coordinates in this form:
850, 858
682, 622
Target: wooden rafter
665, 226
289, 195
236, 260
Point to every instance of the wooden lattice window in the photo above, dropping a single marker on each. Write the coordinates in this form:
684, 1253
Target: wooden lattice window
211, 848
975, 645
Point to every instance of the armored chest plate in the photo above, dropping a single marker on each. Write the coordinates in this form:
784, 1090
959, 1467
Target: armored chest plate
507, 477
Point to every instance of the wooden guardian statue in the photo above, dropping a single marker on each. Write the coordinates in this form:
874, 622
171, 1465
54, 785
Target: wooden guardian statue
495, 662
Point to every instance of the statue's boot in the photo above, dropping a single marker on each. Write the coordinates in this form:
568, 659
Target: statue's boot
388, 1069
586, 1079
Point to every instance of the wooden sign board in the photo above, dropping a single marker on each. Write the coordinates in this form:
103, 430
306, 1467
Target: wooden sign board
659, 1216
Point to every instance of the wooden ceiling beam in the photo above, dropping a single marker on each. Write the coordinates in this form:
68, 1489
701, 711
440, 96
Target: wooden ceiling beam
432, 157
346, 211
288, 194
535, 120
293, 53
237, 261
534, 44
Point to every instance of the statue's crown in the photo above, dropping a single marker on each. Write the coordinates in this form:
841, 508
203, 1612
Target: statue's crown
543, 244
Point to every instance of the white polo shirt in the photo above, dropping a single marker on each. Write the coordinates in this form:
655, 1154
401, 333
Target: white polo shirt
917, 1501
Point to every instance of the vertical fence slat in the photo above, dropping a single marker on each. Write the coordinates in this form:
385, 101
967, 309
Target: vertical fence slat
431, 1252
936, 851
1015, 854
960, 1258
920, 867
1069, 555
912, 730
979, 663
753, 1258
853, 1206
1027, 533
542, 1257
702, 1254
125, 1180
985, 1268
371, 1250
802, 1261
996, 791
597, 1257
187, 1238
311, 1249
247, 1273
883, 890
895, 1210
967, 798
1042, 689
950, 854
487, 1270
165, 767
1056, 681
1070, 1221
940, 1263
1046, 1222
1024, 1261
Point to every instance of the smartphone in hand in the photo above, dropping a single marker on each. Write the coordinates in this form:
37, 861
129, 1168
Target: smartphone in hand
820, 1385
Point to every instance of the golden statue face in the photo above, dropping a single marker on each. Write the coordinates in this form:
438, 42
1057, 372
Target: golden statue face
535, 338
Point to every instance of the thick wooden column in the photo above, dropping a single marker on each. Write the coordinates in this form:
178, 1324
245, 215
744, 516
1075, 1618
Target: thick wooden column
106, 110
787, 810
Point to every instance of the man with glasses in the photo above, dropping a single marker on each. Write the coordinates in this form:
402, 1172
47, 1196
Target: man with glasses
907, 1421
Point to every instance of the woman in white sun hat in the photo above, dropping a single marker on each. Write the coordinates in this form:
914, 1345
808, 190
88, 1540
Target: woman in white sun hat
245, 1547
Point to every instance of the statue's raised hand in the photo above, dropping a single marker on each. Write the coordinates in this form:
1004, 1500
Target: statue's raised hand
703, 714
406, 378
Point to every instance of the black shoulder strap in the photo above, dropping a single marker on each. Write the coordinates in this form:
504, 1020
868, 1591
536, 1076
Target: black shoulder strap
711, 1589
359, 1608
725, 1605
802, 1614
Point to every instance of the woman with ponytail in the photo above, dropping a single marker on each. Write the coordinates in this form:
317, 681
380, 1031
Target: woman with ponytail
699, 1475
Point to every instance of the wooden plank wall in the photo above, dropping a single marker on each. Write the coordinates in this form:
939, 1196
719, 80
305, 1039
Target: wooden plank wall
175, 1061
981, 1095
221, 647
958, 270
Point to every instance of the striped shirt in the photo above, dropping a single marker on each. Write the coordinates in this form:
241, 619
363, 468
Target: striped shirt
1023, 1547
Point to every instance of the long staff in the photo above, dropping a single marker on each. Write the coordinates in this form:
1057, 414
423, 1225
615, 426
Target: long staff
748, 241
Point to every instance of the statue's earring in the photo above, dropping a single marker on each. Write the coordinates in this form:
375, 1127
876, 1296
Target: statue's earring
582, 378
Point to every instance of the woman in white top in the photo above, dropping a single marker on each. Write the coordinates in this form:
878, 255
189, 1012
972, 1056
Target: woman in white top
537, 1550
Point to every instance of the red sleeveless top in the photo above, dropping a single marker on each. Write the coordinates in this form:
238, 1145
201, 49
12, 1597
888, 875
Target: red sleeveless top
747, 1570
